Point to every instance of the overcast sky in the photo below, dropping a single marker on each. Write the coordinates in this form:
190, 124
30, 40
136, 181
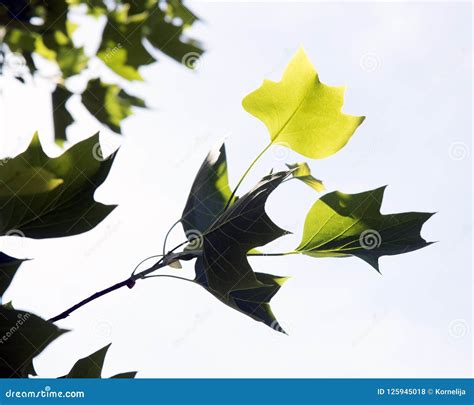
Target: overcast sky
408, 69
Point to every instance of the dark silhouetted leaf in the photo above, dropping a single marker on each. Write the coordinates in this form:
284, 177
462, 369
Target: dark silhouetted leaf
224, 270
209, 194
23, 336
61, 116
8, 267
91, 366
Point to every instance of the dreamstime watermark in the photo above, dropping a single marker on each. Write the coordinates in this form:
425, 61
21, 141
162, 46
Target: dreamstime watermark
280, 151
47, 392
195, 238
370, 239
102, 151
370, 62
14, 240
192, 60
103, 329
459, 151
109, 230
276, 326
199, 320
4, 161
22, 319
458, 328
13, 62
376, 320
111, 52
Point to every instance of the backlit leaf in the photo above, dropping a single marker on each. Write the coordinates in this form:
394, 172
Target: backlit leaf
43, 197
209, 193
302, 172
340, 225
302, 113
109, 104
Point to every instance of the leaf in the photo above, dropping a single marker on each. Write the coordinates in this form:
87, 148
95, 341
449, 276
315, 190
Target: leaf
302, 172
340, 225
90, 366
245, 225
61, 116
109, 104
209, 194
255, 302
8, 267
302, 113
130, 374
223, 268
67, 207
121, 48
22, 337
168, 37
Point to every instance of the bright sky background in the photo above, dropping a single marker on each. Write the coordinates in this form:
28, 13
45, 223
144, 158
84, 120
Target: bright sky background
408, 69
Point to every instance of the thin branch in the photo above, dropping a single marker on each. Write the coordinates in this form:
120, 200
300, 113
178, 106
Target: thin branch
245, 175
272, 254
129, 282
143, 261
168, 233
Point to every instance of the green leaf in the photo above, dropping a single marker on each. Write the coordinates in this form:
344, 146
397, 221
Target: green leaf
22, 337
8, 267
302, 172
245, 225
43, 197
168, 38
90, 366
340, 225
223, 268
109, 104
121, 48
209, 194
130, 374
302, 113
61, 116
255, 302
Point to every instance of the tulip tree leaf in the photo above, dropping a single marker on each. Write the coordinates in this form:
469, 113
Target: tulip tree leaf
209, 194
255, 302
43, 197
8, 267
302, 172
23, 336
61, 116
91, 366
129, 374
223, 268
245, 225
109, 104
302, 113
340, 225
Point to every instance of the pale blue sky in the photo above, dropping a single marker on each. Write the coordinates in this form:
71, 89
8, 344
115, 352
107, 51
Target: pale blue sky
408, 69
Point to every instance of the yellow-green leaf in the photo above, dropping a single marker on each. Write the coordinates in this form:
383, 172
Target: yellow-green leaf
302, 113
302, 172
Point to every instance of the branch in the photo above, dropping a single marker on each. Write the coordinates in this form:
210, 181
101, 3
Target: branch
129, 282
